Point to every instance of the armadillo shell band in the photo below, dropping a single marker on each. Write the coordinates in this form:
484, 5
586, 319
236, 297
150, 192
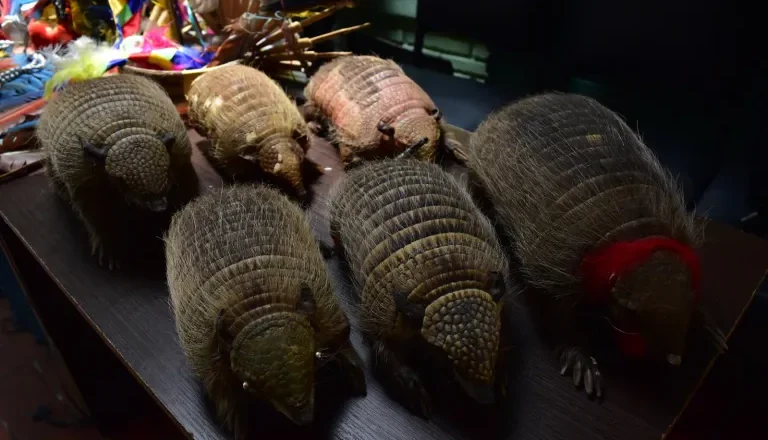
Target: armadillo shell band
240, 305
255, 314
465, 324
267, 322
431, 288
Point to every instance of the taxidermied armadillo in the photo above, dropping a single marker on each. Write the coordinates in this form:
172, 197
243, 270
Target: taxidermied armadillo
596, 222
253, 303
429, 270
256, 131
117, 149
375, 110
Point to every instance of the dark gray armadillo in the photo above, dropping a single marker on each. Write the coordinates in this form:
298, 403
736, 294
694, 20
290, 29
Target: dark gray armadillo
256, 131
595, 219
253, 303
375, 110
429, 269
118, 150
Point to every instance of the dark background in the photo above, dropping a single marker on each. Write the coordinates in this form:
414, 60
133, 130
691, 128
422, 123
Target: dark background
690, 76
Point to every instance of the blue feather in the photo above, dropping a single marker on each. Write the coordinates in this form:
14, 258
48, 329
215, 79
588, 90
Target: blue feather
26, 88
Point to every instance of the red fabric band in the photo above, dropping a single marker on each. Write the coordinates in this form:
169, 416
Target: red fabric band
603, 266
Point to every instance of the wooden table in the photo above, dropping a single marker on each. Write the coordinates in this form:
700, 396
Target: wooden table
109, 323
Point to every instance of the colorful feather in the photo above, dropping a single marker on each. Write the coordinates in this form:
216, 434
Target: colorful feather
84, 59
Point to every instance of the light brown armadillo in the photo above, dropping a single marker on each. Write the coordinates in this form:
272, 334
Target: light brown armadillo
428, 267
256, 131
253, 303
595, 220
118, 150
374, 110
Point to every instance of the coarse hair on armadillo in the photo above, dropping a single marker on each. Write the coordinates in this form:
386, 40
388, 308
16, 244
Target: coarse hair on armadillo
240, 106
408, 227
565, 175
104, 111
245, 252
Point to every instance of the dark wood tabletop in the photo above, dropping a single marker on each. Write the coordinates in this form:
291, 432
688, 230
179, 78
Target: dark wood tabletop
129, 309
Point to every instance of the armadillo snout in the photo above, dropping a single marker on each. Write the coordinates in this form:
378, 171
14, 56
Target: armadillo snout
284, 161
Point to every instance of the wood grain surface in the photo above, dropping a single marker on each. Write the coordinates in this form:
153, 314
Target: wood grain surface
129, 309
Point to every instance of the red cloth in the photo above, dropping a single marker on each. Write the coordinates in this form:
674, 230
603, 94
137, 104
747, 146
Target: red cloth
41, 35
601, 268
131, 27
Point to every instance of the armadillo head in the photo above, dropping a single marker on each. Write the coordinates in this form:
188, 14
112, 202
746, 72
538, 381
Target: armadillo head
273, 357
284, 160
656, 301
138, 165
417, 129
465, 326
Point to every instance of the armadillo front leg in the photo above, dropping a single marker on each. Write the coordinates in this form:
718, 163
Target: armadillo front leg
58, 184
95, 217
351, 367
573, 352
401, 379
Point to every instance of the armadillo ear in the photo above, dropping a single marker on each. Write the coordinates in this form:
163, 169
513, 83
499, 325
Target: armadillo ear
301, 138
386, 129
412, 311
306, 304
497, 288
436, 113
168, 140
94, 153
225, 339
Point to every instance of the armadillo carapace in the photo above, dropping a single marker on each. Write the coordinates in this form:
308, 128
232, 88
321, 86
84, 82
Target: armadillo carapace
374, 110
429, 270
117, 149
253, 303
256, 131
598, 224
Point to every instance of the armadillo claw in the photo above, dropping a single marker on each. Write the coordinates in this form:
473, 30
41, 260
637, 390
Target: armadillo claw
103, 256
502, 382
583, 370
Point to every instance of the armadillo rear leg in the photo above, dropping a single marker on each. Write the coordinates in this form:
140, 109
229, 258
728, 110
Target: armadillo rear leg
401, 379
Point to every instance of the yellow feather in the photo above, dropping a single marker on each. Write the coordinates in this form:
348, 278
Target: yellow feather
83, 59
